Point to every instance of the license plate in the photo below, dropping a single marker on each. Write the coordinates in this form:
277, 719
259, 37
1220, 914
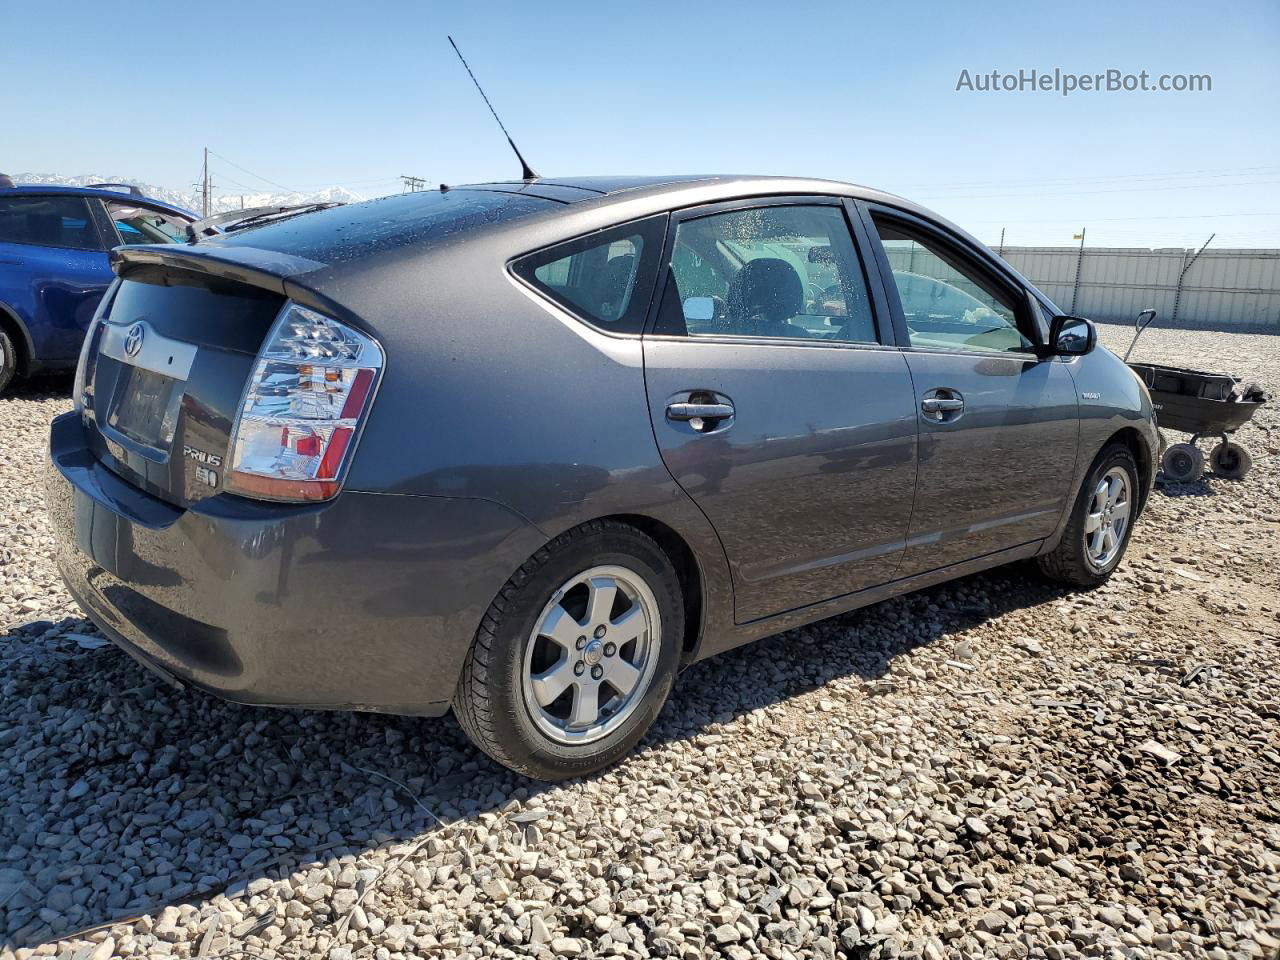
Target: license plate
145, 408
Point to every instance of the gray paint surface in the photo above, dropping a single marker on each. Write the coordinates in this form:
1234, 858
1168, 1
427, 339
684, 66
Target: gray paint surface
501, 421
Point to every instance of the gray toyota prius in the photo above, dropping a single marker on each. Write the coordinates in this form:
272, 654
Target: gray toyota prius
527, 449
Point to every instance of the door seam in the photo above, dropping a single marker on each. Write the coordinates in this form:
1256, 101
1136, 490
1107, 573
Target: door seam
657, 446
915, 489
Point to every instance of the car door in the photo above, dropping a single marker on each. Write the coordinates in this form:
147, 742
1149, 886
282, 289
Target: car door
998, 424
52, 245
779, 402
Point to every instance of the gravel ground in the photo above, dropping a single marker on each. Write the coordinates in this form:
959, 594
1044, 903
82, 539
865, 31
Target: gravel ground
989, 768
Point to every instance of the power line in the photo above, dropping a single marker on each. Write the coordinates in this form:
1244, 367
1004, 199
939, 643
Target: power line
1207, 173
257, 176
249, 187
238, 183
1080, 193
1179, 216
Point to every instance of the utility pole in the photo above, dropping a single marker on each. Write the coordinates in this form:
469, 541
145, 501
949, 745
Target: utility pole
204, 184
413, 184
1075, 288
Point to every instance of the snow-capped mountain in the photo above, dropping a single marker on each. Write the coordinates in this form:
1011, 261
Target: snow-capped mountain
191, 201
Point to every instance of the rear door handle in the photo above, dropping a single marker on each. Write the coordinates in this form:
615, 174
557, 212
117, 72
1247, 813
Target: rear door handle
699, 411
940, 405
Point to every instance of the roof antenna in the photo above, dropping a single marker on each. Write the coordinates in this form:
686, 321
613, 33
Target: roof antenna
526, 172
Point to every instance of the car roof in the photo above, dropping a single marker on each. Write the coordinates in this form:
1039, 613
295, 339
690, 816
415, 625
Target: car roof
555, 209
595, 185
53, 189
683, 189
609, 185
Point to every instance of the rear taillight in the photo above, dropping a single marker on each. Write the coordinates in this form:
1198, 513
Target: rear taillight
309, 392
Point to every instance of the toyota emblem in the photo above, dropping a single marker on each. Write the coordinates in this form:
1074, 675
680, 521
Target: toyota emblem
133, 340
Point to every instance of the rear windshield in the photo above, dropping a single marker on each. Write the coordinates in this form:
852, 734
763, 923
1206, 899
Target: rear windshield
358, 229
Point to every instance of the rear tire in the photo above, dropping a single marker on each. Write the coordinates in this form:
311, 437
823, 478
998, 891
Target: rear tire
8, 361
542, 688
1085, 556
1182, 463
1230, 461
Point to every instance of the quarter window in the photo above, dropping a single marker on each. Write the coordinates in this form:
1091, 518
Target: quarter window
142, 225
605, 278
946, 303
787, 271
48, 222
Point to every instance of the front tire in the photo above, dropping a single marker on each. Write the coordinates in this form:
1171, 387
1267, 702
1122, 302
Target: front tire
576, 655
1101, 522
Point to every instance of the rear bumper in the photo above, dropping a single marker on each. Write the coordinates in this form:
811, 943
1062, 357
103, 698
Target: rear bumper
366, 602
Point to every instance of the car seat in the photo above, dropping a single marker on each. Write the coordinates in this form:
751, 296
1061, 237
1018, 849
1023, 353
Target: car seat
763, 298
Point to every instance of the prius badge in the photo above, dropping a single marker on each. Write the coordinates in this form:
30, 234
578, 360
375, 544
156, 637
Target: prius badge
133, 339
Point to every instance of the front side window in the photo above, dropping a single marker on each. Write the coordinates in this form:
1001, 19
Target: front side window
143, 225
947, 304
787, 271
48, 222
605, 278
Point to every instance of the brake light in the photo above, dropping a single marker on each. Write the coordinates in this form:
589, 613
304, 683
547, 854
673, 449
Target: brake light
305, 401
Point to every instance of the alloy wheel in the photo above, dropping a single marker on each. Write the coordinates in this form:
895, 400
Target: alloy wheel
591, 655
1108, 518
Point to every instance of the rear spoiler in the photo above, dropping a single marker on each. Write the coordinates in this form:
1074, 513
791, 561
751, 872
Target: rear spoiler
258, 267
252, 265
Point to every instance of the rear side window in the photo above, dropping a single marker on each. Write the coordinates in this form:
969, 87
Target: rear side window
48, 222
605, 278
781, 272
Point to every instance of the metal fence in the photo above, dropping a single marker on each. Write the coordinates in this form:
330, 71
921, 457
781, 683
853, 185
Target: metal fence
1221, 290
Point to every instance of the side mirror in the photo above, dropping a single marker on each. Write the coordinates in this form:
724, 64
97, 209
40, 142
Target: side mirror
699, 308
1071, 336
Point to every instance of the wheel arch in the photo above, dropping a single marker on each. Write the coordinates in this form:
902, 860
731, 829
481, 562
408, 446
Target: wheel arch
685, 563
1142, 454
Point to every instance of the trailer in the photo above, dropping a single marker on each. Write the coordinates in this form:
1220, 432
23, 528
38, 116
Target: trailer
1201, 404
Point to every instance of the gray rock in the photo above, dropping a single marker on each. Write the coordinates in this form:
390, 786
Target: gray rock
726, 933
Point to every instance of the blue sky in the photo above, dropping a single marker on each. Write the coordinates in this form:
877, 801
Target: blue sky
312, 94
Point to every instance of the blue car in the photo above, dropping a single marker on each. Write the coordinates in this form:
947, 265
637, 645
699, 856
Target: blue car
54, 264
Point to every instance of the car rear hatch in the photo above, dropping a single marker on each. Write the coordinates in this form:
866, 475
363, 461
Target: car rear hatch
165, 370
